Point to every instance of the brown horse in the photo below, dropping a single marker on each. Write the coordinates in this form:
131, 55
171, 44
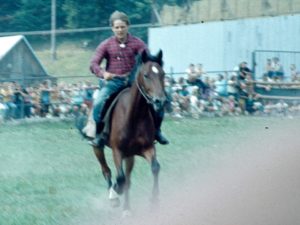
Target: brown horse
132, 130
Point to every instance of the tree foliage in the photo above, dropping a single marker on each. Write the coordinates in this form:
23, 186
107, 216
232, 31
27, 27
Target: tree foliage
32, 15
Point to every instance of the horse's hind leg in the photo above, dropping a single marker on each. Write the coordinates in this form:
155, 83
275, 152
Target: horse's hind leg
104, 167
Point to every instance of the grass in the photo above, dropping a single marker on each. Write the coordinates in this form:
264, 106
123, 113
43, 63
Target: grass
72, 61
49, 175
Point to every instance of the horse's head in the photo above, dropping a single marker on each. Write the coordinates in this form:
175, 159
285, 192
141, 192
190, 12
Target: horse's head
150, 79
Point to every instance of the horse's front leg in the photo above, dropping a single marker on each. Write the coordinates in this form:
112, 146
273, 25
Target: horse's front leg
129, 166
99, 153
150, 156
118, 187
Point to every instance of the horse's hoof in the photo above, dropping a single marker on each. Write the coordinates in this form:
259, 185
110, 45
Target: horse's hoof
154, 201
114, 198
115, 202
126, 213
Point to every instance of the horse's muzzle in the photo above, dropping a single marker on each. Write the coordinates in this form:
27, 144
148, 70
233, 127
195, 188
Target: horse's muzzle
158, 103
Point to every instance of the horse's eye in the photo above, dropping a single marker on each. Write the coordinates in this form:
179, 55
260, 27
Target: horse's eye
146, 75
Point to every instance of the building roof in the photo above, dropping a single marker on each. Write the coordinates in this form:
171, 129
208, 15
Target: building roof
7, 43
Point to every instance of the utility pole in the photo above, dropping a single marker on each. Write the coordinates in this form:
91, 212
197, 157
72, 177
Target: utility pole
156, 13
53, 29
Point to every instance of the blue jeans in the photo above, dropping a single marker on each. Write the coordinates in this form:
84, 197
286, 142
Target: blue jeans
112, 86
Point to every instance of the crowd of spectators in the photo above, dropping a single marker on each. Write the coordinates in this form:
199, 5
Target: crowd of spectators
196, 94
200, 94
44, 100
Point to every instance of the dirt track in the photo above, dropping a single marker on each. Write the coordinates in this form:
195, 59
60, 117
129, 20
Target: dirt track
258, 186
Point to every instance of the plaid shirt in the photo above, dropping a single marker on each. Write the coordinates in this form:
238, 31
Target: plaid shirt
119, 61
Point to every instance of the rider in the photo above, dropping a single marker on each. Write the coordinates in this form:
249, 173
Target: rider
119, 51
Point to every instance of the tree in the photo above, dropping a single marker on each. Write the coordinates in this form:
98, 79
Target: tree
7, 14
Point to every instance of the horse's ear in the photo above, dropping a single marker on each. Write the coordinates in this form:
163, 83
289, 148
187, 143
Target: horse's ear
144, 56
159, 57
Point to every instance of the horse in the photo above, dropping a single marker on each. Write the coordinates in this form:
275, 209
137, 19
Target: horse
132, 128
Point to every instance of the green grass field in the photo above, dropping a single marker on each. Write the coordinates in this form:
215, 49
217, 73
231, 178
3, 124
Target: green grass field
71, 61
50, 176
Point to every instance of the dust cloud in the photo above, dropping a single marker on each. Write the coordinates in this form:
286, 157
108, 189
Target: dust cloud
258, 185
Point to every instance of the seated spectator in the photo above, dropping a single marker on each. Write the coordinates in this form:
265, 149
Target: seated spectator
195, 110
278, 72
233, 107
183, 91
232, 87
269, 108
194, 77
294, 73
281, 107
191, 73
295, 109
250, 106
269, 69
221, 86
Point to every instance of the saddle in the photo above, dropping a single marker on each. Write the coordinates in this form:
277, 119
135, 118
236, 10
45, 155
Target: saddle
106, 113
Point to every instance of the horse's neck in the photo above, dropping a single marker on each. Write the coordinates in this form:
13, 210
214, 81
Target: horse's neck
139, 108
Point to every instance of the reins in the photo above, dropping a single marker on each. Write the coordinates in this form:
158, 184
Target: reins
144, 94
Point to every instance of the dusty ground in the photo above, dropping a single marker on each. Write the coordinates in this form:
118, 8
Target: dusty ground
257, 186
255, 183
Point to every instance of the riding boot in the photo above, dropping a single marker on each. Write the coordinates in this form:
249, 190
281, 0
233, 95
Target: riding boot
158, 118
160, 138
98, 141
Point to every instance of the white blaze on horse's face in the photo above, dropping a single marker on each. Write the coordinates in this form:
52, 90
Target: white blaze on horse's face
154, 69
153, 86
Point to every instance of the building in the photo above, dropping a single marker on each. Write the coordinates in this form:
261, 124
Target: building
18, 61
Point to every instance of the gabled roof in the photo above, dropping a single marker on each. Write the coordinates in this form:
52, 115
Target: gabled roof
7, 43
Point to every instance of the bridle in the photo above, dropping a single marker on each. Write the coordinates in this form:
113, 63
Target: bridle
148, 98
141, 89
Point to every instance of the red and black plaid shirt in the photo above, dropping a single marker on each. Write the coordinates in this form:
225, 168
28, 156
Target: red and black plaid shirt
119, 61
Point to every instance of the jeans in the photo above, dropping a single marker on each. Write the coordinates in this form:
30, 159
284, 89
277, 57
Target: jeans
112, 86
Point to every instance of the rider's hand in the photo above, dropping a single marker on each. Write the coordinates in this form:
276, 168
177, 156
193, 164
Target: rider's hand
107, 75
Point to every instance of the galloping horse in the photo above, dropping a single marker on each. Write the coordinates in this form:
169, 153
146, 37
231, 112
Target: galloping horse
132, 128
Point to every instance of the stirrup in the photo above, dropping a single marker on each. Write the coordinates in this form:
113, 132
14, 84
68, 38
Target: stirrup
97, 141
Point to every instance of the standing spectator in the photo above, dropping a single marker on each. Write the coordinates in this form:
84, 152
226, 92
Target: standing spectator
243, 71
3, 109
27, 101
18, 101
8, 99
88, 91
45, 98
